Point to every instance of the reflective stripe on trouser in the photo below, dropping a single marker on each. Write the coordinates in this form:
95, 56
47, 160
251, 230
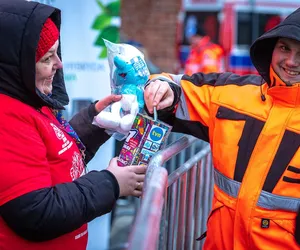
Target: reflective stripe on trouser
266, 199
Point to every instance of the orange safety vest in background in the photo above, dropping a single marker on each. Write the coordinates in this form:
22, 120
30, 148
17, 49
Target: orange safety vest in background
255, 147
205, 57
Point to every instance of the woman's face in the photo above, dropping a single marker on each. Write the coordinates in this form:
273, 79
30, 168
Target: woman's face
45, 70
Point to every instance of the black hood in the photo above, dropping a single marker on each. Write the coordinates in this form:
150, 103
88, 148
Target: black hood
20, 26
262, 49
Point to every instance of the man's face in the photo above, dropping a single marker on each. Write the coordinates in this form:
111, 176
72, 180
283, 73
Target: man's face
286, 60
45, 70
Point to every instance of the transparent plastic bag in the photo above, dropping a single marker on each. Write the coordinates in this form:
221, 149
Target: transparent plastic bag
128, 76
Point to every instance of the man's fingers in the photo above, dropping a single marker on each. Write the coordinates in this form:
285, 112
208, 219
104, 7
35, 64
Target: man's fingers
150, 94
165, 103
102, 104
151, 89
158, 95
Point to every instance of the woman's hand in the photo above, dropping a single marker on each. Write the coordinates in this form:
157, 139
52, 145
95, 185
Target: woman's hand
102, 104
130, 178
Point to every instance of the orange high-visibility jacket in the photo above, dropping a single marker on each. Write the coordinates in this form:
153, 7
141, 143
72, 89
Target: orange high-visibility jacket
205, 57
253, 125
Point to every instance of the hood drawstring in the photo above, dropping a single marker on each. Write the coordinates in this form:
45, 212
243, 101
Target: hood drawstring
262, 95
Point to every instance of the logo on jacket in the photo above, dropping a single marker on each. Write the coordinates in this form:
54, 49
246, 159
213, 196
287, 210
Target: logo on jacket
77, 166
61, 136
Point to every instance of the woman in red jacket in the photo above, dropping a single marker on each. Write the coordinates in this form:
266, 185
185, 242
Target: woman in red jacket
45, 198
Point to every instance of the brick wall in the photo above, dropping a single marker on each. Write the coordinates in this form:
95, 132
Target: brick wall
154, 24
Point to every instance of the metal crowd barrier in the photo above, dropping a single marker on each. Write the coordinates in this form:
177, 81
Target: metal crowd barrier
174, 208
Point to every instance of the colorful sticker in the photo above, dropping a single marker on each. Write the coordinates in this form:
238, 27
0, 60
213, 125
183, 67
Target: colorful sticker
148, 144
145, 138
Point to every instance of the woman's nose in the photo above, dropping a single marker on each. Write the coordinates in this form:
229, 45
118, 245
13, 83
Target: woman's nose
59, 64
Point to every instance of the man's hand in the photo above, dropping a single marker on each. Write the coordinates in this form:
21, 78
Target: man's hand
158, 94
130, 178
102, 104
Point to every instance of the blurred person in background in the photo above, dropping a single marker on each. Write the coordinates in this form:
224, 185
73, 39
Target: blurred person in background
46, 199
204, 56
253, 125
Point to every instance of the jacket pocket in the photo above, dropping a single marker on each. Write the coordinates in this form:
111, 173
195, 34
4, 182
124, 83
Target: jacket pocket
216, 206
228, 126
232, 126
229, 114
234, 139
273, 234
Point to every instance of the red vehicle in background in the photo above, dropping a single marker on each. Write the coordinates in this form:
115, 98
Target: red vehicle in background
234, 24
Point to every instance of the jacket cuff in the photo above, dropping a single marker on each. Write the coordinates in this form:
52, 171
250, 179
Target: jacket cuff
92, 111
114, 182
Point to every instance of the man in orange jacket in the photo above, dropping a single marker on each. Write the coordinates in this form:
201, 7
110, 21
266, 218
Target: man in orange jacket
205, 56
253, 125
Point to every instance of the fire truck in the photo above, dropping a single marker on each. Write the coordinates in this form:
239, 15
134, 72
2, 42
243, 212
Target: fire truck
234, 24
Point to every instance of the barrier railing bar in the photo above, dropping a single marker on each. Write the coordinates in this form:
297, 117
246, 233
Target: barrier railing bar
198, 209
141, 237
172, 214
207, 194
163, 225
190, 209
211, 183
164, 155
182, 206
187, 165
170, 201
165, 229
